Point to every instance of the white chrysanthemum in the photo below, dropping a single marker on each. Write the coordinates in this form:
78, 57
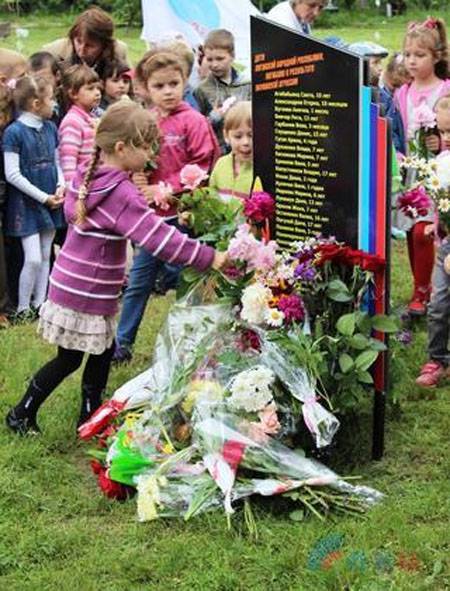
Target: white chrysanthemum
255, 302
274, 317
444, 205
250, 389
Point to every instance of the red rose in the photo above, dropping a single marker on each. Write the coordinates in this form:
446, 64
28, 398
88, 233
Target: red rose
111, 488
327, 252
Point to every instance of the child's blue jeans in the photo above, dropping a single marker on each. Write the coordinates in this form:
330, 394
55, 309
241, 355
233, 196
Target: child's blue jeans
141, 283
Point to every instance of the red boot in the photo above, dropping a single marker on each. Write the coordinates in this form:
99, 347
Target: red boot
419, 301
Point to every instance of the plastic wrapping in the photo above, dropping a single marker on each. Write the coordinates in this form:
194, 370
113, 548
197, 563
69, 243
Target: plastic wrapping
321, 423
211, 421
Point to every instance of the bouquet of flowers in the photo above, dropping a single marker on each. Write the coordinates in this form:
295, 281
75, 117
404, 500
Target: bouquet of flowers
423, 125
442, 192
419, 185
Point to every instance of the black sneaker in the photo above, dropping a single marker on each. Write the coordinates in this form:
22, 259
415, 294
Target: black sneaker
21, 426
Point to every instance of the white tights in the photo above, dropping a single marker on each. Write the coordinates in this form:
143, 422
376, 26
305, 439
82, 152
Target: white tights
33, 278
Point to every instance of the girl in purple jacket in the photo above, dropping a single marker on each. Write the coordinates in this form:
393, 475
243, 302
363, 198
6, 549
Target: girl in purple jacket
104, 209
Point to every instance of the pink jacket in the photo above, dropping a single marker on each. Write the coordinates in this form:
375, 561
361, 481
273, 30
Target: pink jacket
401, 100
187, 138
76, 140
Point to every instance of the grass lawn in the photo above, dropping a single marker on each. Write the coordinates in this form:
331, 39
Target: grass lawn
57, 532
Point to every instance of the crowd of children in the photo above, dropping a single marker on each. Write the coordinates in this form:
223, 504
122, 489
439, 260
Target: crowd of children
78, 126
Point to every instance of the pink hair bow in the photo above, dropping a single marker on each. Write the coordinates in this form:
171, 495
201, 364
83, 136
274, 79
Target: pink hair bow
430, 23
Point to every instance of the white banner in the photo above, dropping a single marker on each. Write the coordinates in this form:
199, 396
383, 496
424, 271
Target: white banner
195, 18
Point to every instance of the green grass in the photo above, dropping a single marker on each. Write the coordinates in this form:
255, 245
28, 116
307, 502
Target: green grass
57, 532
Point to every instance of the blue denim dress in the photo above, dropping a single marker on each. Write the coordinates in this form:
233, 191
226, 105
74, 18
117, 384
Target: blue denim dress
36, 148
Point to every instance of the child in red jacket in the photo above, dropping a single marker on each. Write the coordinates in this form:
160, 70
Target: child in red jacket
186, 138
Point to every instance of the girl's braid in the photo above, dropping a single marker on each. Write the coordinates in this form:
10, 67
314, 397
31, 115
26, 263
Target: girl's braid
80, 209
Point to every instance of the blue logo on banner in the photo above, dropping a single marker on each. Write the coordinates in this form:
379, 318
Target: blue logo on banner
204, 12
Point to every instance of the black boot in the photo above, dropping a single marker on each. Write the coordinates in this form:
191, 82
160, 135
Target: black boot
21, 425
22, 418
91, 399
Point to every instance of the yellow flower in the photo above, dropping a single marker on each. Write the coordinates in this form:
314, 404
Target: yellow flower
201, 389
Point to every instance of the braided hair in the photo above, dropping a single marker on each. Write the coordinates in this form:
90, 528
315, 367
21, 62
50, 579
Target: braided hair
124, 121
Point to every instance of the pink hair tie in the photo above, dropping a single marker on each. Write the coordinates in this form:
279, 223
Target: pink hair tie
12, 83
430, 23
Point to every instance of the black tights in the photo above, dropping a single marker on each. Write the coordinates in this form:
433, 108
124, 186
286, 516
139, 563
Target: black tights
93, 382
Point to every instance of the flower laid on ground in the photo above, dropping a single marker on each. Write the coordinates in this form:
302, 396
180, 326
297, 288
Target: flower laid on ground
192, 176
251, 389
260, 206
292, 308
255, 303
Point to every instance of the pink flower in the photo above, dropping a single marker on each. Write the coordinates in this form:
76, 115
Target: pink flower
244, 245
192, 175
424, 117
259, 207
162, 194
232, 453
269, 420
292, 307
12, 83
415, 202
265, 256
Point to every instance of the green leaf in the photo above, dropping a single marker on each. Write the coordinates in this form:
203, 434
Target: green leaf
297, 515
359, 342
345, 362
363, 322
339, 296
365, 377
384, 323
376, 345
365, 360
346, 324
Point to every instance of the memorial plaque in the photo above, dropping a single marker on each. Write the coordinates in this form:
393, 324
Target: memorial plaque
306, 113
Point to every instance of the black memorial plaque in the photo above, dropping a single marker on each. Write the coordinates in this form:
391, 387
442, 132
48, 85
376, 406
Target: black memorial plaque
306, 105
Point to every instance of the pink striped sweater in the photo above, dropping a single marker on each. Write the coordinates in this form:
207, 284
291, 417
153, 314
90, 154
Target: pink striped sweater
76, 140
90, 269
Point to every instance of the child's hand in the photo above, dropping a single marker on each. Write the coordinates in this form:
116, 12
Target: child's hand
140, 179
432, 143
429, 230
147, 192
221, 260
61, 192
54, 201
184, 218
447, 264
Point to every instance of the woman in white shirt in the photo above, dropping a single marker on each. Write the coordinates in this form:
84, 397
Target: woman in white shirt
297, 14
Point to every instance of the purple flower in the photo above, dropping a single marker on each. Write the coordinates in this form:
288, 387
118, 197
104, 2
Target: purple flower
404, 337
304, 272
292, 307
